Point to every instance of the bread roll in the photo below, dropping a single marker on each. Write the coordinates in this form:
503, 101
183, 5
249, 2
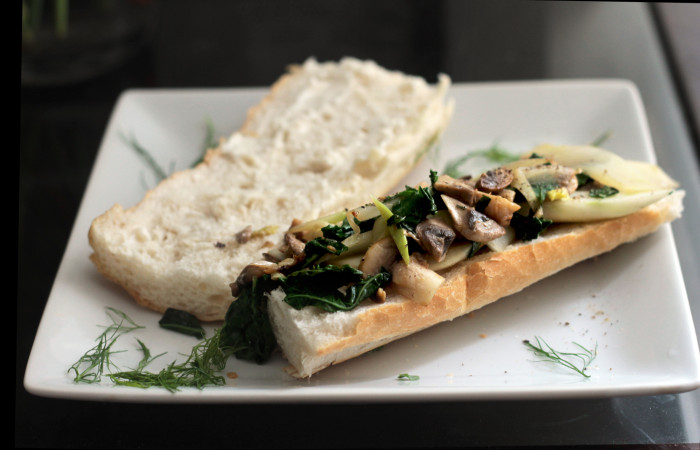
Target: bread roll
327, 135
312, 339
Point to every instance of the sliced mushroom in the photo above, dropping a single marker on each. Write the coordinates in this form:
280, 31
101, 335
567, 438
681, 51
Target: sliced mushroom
250, 272
244, 235
435, 236
472, 224
296, 245
500, 208
552, 174
380, 254
508, 194
495, 180
458, 188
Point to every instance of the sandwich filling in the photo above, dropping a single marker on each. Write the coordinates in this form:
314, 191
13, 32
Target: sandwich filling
402, 243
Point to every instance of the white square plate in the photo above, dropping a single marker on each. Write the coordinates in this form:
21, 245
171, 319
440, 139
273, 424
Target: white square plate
630, 303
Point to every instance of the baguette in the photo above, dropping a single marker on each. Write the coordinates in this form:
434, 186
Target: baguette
312, 339
326, 135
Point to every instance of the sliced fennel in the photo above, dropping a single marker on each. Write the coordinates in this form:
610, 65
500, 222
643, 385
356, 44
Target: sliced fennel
609, 169
582, 208
455, 254
397, 234
500, 244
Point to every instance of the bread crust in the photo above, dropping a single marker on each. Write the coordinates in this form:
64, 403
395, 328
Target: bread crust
485, 278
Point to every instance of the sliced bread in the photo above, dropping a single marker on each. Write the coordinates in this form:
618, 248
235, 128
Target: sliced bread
327, 135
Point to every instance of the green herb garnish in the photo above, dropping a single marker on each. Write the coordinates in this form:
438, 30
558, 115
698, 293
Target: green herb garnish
209, 141
158, 171
181, 322
602, 138
576, 361
97, 361
199, 370
150, 161
408, 377
603, 192
541, 190
495, 154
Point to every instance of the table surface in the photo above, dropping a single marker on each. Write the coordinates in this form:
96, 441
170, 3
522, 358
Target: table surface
65, 108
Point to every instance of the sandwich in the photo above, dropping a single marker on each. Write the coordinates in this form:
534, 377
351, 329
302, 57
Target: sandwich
354, 280
327, 134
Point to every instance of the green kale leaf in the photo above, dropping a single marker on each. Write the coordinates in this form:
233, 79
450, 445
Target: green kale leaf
181, 322
247, 327
322, 287
411, 206
315, 249
528, 227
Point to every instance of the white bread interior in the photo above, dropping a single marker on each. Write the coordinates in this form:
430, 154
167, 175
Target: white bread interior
312, 340
327, 135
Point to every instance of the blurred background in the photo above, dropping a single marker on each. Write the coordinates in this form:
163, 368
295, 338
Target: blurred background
78, 57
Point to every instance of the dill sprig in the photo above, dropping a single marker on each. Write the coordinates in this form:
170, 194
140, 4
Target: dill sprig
158, 171
575, 361
140, 150
209, 140
200, 369
597, 142
408, 377
93, 364
494, 154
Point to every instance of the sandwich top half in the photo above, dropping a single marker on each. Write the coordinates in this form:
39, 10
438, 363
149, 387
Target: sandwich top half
327, 135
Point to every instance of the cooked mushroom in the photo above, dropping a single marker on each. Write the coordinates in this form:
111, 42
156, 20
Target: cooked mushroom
472, 224
435, 237
500, 209
380, 254
244, 235
508, 194
495, 180
296, 245
250, 272
553, 174
458, 188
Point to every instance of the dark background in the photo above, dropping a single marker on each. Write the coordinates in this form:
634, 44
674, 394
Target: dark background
69, 87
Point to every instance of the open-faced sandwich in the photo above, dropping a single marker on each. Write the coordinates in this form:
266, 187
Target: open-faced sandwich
346, 283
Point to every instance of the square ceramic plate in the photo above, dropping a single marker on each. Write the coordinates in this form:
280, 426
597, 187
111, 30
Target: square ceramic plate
631, 303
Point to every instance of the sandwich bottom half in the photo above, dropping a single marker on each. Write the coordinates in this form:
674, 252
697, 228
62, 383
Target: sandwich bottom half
312, 340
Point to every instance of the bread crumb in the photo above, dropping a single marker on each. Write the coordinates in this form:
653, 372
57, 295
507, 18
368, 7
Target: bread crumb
232, 375
482, 335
